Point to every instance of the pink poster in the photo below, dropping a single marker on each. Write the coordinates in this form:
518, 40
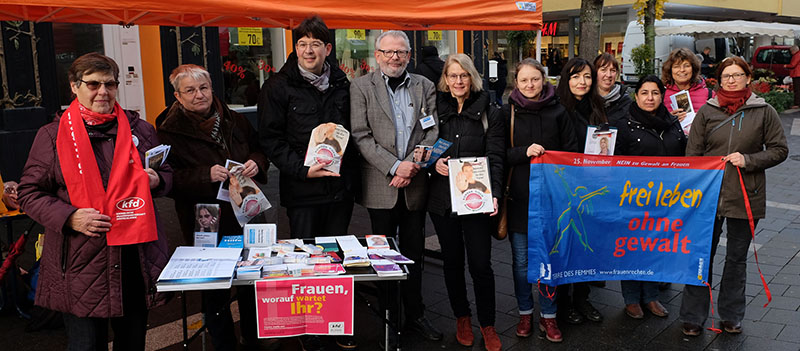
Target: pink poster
312, 305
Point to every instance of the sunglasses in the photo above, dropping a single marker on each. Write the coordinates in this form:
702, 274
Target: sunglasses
94, 85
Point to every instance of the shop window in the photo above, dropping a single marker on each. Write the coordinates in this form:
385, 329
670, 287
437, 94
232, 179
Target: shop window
443, 40
73, 40
247, 61
354, 51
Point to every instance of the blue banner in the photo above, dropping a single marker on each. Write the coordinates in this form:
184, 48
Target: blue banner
621, 218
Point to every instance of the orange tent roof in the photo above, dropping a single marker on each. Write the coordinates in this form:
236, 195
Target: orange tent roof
367, 14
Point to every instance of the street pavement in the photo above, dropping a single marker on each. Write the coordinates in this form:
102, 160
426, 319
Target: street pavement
775, 327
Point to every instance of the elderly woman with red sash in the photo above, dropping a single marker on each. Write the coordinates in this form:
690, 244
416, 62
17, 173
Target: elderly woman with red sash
84, 182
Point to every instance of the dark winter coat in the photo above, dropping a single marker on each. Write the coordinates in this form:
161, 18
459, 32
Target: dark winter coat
430, 66
289, 108
193, 154
82, 275
756, 133
465, 130
549, 126
618, 110
636, 139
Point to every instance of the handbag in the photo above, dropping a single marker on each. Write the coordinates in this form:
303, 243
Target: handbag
502, 224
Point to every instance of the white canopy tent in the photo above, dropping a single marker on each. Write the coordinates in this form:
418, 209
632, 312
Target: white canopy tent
733, 29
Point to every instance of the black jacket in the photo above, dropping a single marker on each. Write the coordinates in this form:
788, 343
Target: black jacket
549, 126
431, 67
618, 109
465, 130
635, 139
289, 108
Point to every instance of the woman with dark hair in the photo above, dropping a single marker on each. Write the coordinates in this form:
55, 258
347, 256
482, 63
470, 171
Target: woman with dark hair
577, 91
82, 169
614, 94
535, 122
647, 130
475, 126
681, 72
747, 132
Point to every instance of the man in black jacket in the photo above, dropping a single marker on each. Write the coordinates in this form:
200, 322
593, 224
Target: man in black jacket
308, 91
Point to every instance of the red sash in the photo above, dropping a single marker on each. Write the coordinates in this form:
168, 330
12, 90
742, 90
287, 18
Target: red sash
127, 200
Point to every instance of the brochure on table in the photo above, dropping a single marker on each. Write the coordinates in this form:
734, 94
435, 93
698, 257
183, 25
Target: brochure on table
199, 268
206, 225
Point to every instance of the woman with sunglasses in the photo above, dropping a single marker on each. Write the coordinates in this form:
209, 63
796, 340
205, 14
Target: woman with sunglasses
83, 181
746, 132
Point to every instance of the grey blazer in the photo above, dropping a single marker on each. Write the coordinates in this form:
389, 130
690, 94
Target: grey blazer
373, 130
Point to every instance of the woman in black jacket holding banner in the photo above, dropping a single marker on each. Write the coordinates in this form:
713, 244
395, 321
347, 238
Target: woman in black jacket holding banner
475, 127
536, 122
647, 130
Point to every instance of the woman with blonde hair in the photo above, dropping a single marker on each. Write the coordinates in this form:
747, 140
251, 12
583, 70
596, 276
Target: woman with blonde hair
475, 127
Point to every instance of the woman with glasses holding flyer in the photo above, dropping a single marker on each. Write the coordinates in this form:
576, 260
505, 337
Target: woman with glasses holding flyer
746, 132
85, 183
204, 134
578, 93
647, 130
475, 127
535, 122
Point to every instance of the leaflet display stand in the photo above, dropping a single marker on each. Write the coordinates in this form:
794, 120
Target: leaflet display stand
359, 274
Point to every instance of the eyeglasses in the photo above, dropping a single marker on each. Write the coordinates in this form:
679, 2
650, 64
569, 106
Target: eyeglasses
389, 53
735, 76
315, 45
458, 77
203, 89
94, 85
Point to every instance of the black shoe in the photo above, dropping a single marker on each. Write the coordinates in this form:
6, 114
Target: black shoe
589, 311
573, 316
731, 327
346, 342
690, 329
425, 328
312, 343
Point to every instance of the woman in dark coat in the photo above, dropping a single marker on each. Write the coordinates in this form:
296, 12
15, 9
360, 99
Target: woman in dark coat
475, 127
82, 181
577, 91
648, 130
538, 123
614, 94
203, 133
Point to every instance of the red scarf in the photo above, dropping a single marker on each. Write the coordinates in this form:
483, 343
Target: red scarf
93, 118
127, 200
732, 100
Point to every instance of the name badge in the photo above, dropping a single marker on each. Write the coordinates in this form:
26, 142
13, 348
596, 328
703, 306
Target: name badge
427, 122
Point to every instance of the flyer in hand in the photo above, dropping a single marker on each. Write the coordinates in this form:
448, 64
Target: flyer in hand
600, 142
470, 186
247, 199
326, 146
156, 156
434, 152
683, 100
222, 193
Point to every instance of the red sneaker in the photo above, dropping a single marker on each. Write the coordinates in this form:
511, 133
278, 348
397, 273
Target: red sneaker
490, 339
549, 329
464, 331
524, 326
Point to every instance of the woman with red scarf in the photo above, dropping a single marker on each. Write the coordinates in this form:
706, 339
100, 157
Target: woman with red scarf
84, 182
747, 133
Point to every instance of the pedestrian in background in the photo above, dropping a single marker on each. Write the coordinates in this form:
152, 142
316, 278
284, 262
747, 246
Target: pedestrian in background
430, 65
794, 65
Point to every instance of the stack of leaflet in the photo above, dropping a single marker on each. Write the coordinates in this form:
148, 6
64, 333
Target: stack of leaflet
250, 267
199, 268
327, 243
355, 255
390, 255
386, 268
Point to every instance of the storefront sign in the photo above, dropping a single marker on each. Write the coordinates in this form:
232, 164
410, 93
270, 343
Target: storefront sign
621, 218
549, 28
313, 305
250, 36
356, 34
434, 35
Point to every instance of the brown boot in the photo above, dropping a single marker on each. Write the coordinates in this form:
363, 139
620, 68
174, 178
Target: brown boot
524, 326
634, 311
657, 309
549, 329
464, 331
490, 339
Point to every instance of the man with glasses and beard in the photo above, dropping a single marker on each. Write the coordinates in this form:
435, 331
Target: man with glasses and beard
391, 111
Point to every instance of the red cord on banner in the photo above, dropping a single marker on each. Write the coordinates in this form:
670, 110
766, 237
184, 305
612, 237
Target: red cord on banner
753, 234
711, 297
547, 293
